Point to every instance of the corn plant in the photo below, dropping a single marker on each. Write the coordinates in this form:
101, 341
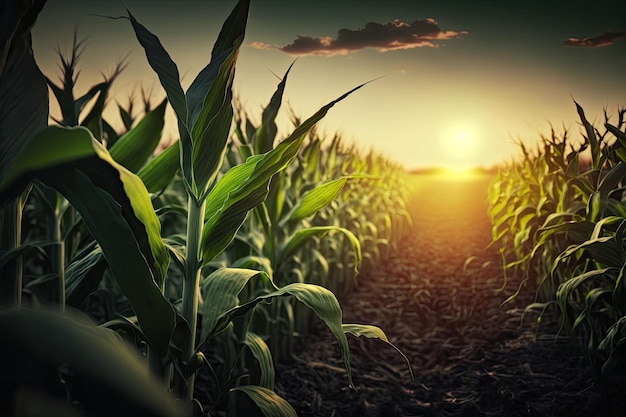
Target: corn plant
558, 216
110, 190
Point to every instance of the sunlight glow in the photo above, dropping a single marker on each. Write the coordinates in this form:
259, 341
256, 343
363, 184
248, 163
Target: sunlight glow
460, 173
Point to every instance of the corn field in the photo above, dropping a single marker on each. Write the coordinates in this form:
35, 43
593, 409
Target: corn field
239, 272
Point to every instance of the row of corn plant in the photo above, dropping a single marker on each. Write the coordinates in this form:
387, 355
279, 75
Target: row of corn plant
324, 213
559, 218
105, 219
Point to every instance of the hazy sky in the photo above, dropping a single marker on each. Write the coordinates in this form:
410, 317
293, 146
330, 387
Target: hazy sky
460, 79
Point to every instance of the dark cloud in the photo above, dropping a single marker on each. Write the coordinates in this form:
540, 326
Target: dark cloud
384, 37
607, 38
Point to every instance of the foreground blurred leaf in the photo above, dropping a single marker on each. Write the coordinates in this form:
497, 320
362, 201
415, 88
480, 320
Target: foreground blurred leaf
98, 355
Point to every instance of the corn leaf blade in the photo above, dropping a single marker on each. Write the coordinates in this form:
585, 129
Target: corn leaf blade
300, 237
160, 170
134, 148
95, 352
270, 403
262, 354
323, 303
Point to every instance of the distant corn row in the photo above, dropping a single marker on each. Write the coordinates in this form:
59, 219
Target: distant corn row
559, 219
208, 259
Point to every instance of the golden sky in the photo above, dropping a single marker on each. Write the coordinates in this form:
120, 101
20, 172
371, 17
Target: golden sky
460, 80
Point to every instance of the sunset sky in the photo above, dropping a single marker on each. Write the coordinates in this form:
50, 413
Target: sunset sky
461, 80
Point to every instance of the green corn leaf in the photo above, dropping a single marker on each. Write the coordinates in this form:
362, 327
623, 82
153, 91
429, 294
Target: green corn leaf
612, 347
168, 74
300, 237
96, 354
117, 209
270, 403
566, 289
160, 170
374, 332
209, 100
165, 68
93, 119
83, 276
621, 136
23, 89
315, 200
596, 207
266, 133
319, 299
134, 148
46, 152
590, 136
211, 125
220, 292
262, 354
106, 222
233, 28
612, 179
245, 186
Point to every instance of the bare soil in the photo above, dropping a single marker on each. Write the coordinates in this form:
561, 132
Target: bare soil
470, 354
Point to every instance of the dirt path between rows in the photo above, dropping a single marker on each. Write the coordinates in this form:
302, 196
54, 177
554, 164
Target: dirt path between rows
470, 356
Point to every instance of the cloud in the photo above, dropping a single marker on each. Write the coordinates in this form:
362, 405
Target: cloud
260, 45
384, 37
605, 39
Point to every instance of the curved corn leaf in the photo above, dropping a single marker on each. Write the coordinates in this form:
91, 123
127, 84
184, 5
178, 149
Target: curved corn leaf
612, 179
262, 354
160, 170
300, 237
612, 347
567, 288
83, 276
117, 209
374, 332
314, 200
98, 355
323, 303
270, 403
8, 256
134, 148
220, 292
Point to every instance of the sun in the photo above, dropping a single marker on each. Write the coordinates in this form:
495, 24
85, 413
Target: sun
460, 146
